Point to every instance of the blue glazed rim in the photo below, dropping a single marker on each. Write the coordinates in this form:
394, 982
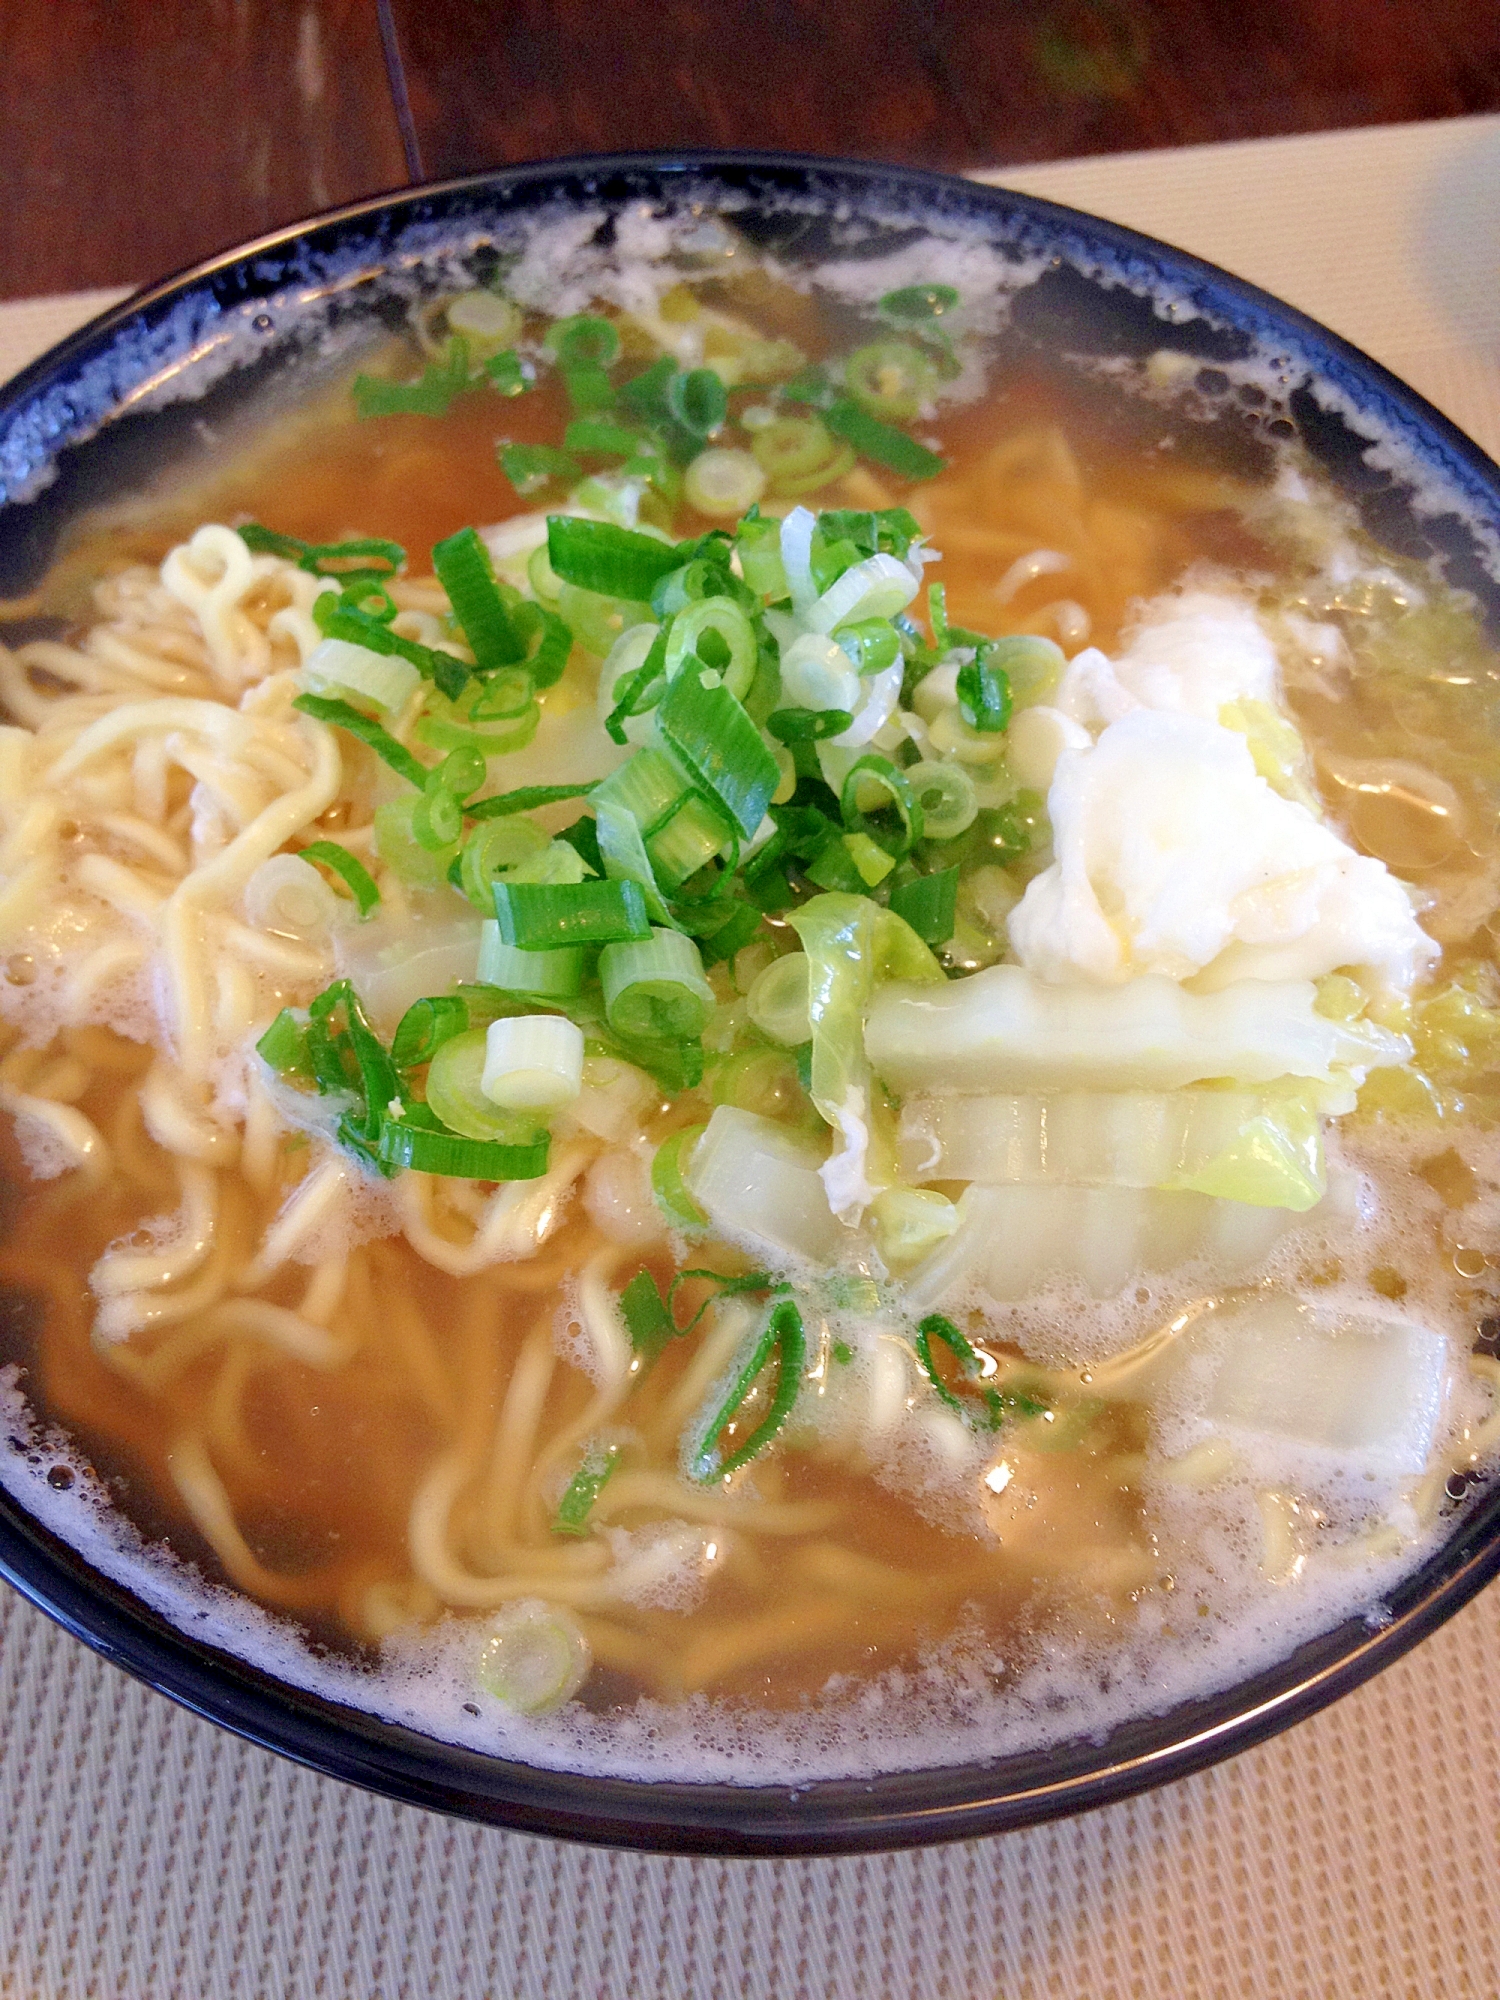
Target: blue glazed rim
64, 396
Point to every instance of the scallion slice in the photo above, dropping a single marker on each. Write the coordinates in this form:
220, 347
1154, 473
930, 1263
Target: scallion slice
424, 1028
887, 446
873, 770
360, 557
455, 1094
339, 667
525, 798
324, 708
533, 1062
352, 872
878, 587
929, 904
987, 1400
415, 1141
529, 467
463, 567
544, 916
343, 617
614, 561
535, 975
808, 725
494, 849
668, 1185
713, 736
429, 396
984, 693
723, 483
783, 1338
624, 855
283, 1047
946, 794
722, 617
584, 1488
655, 990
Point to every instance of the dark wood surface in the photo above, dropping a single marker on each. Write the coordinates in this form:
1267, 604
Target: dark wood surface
137, 135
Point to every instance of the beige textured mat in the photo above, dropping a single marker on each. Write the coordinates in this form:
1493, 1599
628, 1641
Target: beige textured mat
145, 1855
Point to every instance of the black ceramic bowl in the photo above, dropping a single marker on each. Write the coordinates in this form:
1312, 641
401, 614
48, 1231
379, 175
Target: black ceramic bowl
102, 412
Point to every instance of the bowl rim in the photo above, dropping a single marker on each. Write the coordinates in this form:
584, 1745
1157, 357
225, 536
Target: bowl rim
825, 1816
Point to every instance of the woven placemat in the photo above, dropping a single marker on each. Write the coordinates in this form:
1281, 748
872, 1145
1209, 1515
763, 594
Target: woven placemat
146, 1855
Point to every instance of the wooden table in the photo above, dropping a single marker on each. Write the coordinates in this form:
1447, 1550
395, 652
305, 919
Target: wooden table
139, 135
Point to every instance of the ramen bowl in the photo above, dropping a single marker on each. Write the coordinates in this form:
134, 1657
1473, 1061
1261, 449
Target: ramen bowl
140, 407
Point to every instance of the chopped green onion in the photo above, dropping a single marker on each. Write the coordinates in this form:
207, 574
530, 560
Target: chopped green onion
722, 927
890, 379
459, 725
342, 617
412, 1141
533, 1062
425, 1026
879, 587
667, 1184
584, 341
655, 990
283, 1047
673, 1066
696, 398
984, 693
650, 787
529, 467
612, 561
493, 849
506, 373
341, 716
808, 725
874, 770
872, 863
456, 1096
995, 1406
798, 455
782, 1337
723, 483
598, 621
584, 1488
873, 644
722, 617
437, 818
873, 439
397, 844
696, 833
647, 1319
916, 303
759, 544
597, 438
361, 557
536, 1658
714, 737
1032, 665
929, 904
525, 798
588, 388
339, 667
946, 794
429, 396
463, 567
624, 855
885, 531
544, 916
536, 975
355, 877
